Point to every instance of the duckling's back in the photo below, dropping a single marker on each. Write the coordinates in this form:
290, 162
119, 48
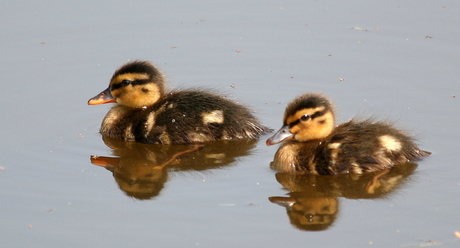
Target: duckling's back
366, 146
190, 116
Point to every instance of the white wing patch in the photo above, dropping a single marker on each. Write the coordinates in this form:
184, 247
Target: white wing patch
150, 123
390, 143
216, 116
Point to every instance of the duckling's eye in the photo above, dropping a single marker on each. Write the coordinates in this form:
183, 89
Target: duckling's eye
304, 117
125, 82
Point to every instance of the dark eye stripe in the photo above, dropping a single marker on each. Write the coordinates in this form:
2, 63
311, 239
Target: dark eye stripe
294, 123
125, 83
317, 114
313, 116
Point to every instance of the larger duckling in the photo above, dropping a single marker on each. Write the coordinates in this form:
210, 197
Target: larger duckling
316, 147
146, 113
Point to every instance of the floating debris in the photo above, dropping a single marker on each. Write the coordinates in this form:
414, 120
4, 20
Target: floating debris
227, 204
358, 28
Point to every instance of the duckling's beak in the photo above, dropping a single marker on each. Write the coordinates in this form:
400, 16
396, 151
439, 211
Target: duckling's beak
103, 97
282, 135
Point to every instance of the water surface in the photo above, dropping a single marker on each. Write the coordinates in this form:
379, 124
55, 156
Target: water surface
396, 60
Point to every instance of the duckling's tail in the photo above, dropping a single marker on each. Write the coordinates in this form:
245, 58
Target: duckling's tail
422, 153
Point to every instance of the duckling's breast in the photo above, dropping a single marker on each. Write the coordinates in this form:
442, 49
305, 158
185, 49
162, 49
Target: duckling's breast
301, 158
118, 123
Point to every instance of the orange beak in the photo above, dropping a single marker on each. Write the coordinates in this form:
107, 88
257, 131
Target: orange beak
103, 97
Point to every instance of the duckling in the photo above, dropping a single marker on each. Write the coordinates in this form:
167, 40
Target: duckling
315, 146
146, 113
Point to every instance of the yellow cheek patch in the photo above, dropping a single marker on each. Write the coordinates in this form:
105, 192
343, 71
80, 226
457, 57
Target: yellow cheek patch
115, 93
138, 96
295, 129
323, 126
312, 129
149, 97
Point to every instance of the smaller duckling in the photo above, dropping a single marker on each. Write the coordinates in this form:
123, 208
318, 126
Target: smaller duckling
146, 113
315, 146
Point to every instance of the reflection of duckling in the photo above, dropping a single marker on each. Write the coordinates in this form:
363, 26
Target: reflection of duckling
313, 205
139, 180
145, 113
353, 147
141, 170
309, 213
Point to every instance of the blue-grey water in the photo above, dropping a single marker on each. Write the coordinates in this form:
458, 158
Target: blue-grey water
395, 60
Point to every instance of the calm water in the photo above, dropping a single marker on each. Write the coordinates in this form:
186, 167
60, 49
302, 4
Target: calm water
396, 60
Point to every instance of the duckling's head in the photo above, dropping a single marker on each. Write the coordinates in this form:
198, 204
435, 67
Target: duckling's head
136, 84
308, 117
